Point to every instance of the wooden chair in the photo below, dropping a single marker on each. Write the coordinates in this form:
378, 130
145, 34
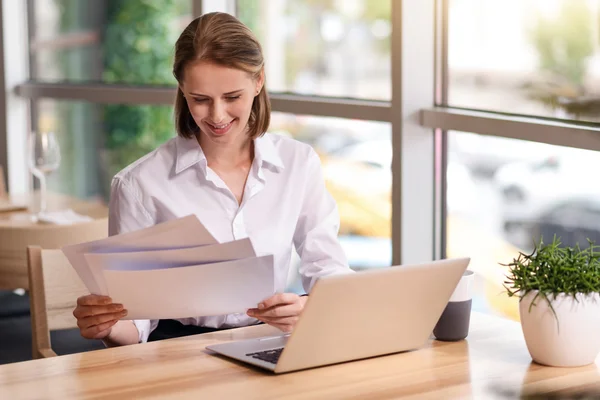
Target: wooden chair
54, 289
14, 242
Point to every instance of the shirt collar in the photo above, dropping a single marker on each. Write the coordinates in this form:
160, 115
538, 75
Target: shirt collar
265, 152
190, 153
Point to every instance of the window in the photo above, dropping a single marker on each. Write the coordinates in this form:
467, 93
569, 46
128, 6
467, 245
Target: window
327, 48
504, 194
536, 57
110, 41
97, 141
356, 161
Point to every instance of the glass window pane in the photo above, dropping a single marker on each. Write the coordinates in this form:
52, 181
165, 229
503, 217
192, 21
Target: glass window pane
502, 194
97, 141
335, 48
112, 41
356, 158
537, 57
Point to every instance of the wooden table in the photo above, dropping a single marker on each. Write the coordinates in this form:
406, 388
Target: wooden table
492, 363
22, 218
18, 230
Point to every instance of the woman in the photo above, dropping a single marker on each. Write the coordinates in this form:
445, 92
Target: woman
237, 180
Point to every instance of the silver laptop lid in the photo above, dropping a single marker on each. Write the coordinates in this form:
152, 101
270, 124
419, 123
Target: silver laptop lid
371, 313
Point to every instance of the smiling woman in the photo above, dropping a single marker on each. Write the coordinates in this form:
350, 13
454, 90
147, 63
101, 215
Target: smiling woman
220, 115
215, 76
238, 181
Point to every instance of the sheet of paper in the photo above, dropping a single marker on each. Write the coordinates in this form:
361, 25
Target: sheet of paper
178, 233
147, 260
200, 290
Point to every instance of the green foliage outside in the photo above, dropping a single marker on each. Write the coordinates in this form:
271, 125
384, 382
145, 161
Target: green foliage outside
564, 45
138, 49
137, 42
309, 51
566, 42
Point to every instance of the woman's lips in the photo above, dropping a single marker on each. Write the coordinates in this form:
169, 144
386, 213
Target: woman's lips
220, 129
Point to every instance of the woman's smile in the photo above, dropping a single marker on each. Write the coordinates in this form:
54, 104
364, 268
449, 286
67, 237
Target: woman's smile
220, 129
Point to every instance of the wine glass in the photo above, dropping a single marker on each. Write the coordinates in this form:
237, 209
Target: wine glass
44, 158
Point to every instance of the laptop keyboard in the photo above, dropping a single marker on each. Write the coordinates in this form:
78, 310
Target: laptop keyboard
270, 356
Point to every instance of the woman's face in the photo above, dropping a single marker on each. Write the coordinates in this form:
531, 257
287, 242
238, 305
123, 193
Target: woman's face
220, 100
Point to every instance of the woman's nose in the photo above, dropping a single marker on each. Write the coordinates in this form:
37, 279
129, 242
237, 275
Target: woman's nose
217, 112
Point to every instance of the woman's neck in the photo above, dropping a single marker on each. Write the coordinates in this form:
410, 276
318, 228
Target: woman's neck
230, 155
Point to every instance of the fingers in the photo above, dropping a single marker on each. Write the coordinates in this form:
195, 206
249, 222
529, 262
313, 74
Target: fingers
277, 299
281, 311
99, 326
93, 300
277, 311
86, 323
96, 315
87, 311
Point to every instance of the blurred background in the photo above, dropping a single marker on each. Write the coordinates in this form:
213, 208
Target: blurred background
528, 57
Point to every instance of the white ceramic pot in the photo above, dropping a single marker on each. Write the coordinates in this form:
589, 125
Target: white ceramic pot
569, 338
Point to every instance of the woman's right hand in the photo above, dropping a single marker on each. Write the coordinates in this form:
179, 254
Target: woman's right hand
96, 315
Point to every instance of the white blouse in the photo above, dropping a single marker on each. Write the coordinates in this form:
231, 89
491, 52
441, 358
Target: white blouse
285, 202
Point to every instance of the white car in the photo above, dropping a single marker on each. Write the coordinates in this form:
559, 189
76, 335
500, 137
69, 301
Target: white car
461, 189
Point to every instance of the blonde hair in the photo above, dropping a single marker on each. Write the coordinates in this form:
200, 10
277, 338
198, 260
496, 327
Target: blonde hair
222, 39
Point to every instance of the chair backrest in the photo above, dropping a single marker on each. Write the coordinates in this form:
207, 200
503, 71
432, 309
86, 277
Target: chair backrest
14, 242
3, 192
54, 289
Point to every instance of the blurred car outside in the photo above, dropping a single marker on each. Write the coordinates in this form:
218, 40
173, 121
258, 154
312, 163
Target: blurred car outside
485, 155
551, 196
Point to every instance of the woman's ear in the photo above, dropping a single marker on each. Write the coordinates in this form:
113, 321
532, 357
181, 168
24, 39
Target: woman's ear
182, 93
260, 81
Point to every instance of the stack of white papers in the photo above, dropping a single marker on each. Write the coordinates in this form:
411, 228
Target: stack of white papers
175, 269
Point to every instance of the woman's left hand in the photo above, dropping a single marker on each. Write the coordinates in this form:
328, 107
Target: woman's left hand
281, 310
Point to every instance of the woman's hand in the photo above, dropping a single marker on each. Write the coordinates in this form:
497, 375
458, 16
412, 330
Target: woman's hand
281, 310
96, 315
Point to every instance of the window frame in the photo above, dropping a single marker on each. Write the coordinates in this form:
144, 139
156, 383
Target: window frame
14, 109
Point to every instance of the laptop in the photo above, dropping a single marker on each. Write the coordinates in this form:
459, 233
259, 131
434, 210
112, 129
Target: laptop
355, 316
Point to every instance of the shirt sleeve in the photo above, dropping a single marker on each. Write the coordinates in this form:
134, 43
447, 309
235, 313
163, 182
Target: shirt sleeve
125, 214
316, 234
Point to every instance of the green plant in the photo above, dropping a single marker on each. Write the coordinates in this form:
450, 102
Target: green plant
552, 269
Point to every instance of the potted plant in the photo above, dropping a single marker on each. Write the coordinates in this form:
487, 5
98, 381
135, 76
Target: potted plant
559, 302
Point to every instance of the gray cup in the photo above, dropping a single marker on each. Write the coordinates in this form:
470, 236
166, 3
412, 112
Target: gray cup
453, 325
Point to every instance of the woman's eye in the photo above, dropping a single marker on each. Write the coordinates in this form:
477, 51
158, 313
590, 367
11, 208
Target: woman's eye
200, 100
233, 98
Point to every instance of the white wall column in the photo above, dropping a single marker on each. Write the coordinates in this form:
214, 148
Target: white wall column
14, 110
413, 188
227, 6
